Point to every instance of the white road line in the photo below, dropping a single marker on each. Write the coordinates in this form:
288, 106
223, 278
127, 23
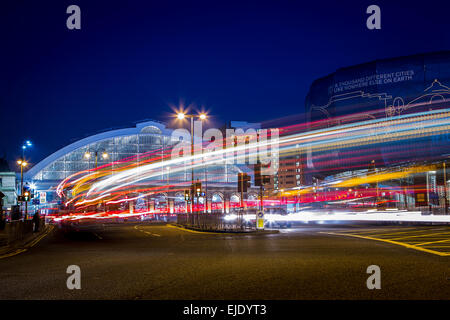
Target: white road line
98, 236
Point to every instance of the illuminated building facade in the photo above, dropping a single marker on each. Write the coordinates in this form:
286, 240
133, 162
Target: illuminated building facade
8, 186
379, 89
117, 144
383, 89
132, 143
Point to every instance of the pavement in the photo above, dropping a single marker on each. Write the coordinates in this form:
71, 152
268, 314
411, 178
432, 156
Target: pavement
158, 261
23, 245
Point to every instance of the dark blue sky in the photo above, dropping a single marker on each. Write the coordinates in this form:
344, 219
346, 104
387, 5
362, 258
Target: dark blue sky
243, 60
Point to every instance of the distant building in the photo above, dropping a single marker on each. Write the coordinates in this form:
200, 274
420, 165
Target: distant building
7, 185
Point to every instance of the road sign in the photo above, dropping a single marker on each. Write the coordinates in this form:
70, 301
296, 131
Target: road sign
260, 220
43, 197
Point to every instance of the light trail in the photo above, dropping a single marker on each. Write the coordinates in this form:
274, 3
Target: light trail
93, 186
371, 216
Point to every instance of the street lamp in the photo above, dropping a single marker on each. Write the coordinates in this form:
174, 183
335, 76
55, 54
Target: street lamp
445, 188
105, 156
182, 116
26, 144
22, 163
167, 198
168, 171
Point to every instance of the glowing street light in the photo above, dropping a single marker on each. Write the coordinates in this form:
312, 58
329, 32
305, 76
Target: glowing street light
180, 115
25, 145
22, 163
87, 156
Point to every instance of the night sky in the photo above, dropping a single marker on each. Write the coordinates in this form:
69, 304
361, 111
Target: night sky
133, 60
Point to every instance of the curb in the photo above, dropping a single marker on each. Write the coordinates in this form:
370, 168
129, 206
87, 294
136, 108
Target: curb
213, 231
24, 245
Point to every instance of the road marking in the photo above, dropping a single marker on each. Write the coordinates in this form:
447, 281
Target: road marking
390, 230
439, 246
421, 235
395, 233
425, 243
39, 238
192, 231
98, 236
13, 253
391, 242
147, 232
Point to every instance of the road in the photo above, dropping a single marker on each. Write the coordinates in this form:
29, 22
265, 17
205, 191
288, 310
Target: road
150, 261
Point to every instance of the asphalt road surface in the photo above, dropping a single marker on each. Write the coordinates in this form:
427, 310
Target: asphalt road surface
148, 261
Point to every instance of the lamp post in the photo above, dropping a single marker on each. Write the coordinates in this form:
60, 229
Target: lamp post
206, 189
445, 189
181, 116
168, 203
105, 156
22, 163
25, 145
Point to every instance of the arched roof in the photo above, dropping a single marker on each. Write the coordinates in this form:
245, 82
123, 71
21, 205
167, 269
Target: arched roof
140, 127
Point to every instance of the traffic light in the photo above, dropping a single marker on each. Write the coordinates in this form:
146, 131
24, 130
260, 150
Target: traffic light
247, 182
243, 182
187, 197
196, 189
26, 196
260, 180
258, 177
240, 180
